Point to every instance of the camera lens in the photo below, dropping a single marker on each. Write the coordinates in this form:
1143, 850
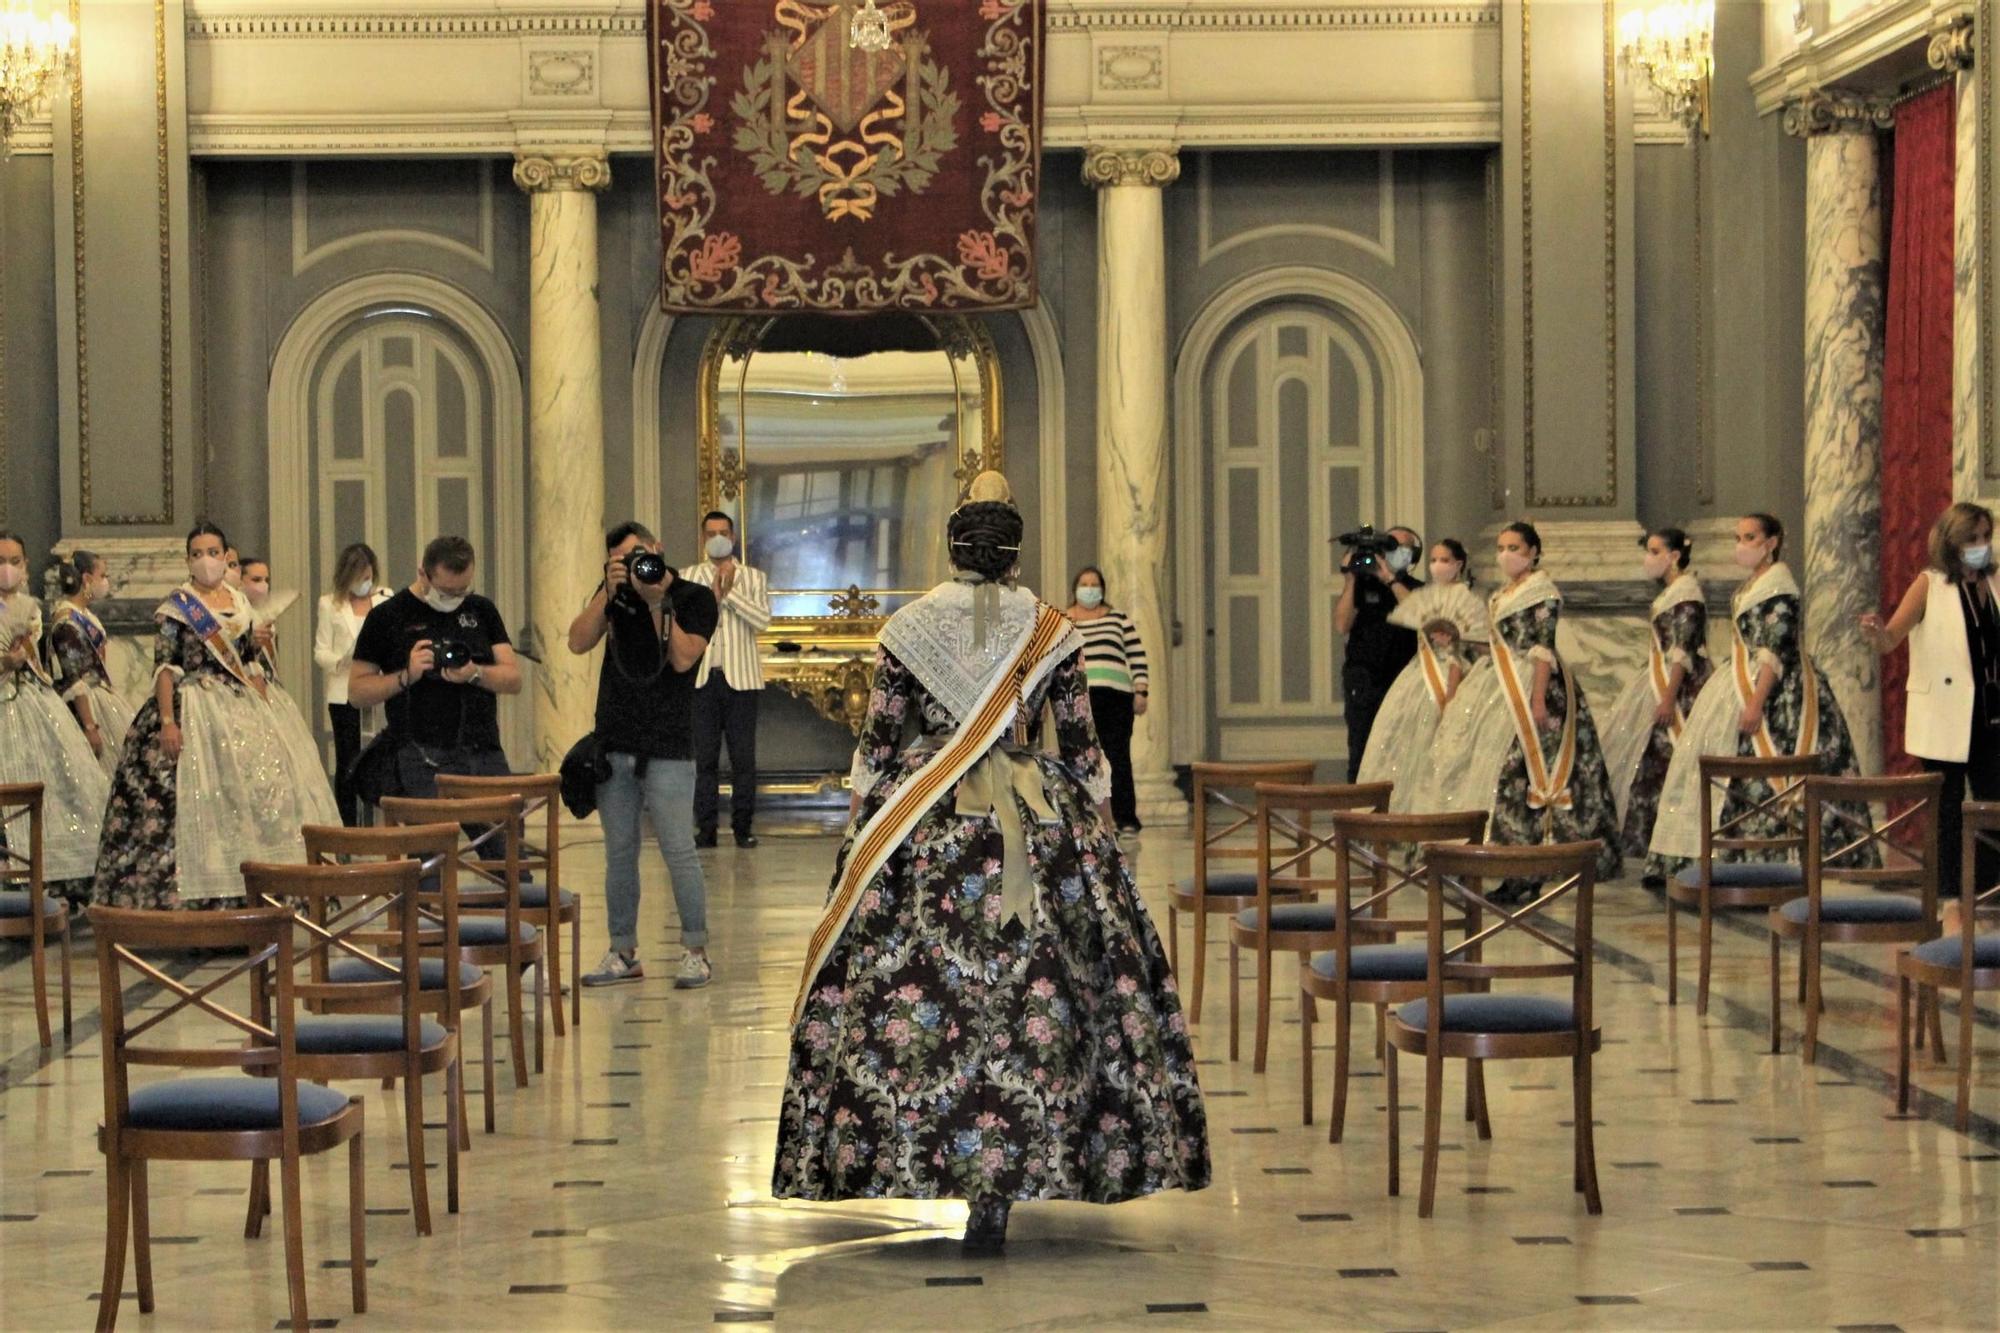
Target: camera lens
452, 654
647, 567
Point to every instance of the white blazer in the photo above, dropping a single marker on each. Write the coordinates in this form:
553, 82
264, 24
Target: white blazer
335, 630
1937, 722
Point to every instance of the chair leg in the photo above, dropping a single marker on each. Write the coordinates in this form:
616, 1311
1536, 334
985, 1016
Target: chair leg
413, 1116
1433, 1116
1586, 1134
1343, 1020
67, 1027
1235, 980
1395, 1127
1174, 942
1198, 942
486, 1031
38, 955
1707, 960
575, 965
117, 1225
295, 1240
1964, 1113
1809, 974
1477, 1080
357, 1216
1673, 951
541, 979
1306, 1016
1776, 992
1902, 1045
1936, 1011
142, 1235
454, 1117
552, 955
1265, 961
1381, 1031
260, 1199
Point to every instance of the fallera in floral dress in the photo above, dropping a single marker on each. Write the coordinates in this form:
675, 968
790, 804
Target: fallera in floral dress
1638, 748
943, 1048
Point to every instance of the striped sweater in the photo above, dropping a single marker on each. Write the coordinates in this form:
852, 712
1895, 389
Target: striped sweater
1113, 656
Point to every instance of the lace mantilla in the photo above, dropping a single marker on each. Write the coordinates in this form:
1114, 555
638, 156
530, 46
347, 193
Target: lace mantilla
933, 637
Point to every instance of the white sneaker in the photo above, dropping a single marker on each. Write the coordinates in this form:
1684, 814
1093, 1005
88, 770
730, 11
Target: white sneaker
615, 968
529, 974
694, 971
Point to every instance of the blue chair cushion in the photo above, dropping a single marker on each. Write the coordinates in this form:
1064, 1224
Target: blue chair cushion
227, 1104
1234, 884
1946, 950
1291, 916
486, 931
1745, 875
1874, 909
537, 895
1377, 962
16, 903
361, 1034
347, 971
1495, 1013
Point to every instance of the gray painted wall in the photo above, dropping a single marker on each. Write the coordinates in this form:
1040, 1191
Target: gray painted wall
32, 504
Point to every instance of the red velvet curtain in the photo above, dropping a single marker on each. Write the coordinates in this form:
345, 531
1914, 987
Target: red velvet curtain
1916, 379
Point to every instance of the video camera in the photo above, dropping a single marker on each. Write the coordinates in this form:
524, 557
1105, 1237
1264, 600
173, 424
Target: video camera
1368, 545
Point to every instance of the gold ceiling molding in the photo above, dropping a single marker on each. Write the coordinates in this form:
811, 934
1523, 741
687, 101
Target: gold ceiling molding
1241, 16
278, 23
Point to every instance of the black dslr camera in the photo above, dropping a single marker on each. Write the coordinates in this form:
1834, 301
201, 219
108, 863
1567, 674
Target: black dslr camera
451, 654
1368, 545
647, 567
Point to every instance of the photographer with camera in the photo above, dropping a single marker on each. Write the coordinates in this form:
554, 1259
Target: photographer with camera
658, 626
435, 656
1376, 580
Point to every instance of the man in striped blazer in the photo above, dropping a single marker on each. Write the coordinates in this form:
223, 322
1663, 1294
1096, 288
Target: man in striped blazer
729, 684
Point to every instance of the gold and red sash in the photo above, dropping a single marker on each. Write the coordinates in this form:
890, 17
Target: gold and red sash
1746, 686
982, 729
190, 610
1548, 787
1436, 677
1662, 685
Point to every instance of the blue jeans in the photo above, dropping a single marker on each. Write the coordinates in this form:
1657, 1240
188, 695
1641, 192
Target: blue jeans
667, 794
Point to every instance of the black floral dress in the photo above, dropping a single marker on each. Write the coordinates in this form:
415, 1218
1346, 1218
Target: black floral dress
1681, 631
943, 1054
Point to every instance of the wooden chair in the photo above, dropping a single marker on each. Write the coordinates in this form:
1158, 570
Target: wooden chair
1708, 884
32, 913
1501, 1026
1230, 788
1968, 961
1300, 924
491, 932
443, 993
1352, 972
544, 901
1893, 917
341, 903
213, 1119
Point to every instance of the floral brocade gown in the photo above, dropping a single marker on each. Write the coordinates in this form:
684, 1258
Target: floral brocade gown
1638, 748
943, 1054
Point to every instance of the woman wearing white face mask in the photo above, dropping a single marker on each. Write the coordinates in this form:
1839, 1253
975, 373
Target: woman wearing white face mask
1450, 624
1522, 746
335, 630
1114, 661
74, 653
1951, 719
40, 741
211, 776
1642, 727
1768, 699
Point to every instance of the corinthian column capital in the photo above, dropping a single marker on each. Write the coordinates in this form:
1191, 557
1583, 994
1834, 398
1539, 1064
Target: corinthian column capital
1834, 111
539, 174
1131, 166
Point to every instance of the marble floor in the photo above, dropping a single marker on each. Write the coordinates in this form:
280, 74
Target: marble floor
629, 1187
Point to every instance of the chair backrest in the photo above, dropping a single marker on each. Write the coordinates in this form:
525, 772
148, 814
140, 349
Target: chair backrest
1288, 810
336, 905
1981, 829
487, 885
21, 805
264, 934
1392, 853
1741, 832
1459, 874
1231, 790
1833, 834
435, 848
541, 803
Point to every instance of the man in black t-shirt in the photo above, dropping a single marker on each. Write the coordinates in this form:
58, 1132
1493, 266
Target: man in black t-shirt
442, 712
1376, 650
655, 626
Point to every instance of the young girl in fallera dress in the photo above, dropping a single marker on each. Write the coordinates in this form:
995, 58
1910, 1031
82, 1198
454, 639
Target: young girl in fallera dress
73, 650
1642, 728
1519, 741
211, 774
1451, 632
40, 741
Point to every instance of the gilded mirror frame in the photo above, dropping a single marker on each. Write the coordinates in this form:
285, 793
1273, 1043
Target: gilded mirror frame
828, 659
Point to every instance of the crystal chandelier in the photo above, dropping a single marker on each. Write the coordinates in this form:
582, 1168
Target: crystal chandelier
35, 54
1673, 42
868, 29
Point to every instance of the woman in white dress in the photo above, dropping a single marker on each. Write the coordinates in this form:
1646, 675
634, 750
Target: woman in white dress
212, 774
39, 740
73, 652
336, 628
1520, 743
1451, 632
1643, 726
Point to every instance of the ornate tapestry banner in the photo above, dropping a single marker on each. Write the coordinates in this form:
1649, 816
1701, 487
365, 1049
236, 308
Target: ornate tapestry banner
847, 156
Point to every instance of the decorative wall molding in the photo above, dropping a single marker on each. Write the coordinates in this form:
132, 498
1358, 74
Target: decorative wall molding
1855, 53
214, 22
1131, 69
1246, 16
305, 254
567, 73
1382, 245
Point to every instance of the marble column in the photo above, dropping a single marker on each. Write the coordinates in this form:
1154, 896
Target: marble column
1953, 49
1132, 494
565, 437
1837, 560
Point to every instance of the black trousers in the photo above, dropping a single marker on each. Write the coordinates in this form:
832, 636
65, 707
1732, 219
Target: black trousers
722, 713
346, 719
1363, 692
1982, 774
1113, 712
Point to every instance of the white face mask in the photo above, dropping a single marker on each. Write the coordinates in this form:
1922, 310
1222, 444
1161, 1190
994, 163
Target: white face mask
1444, 571
719, 547
1656, 565
1749, 556
100, 588
1976, 557
442, 604
257, 592
1515, 563
12, 577
1089, 596
207, 570
365, 588
1399, 559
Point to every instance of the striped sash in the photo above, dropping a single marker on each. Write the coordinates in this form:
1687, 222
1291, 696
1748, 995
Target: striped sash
1662, 684
884, 832
1434, 672
1746, 686
1548, 787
